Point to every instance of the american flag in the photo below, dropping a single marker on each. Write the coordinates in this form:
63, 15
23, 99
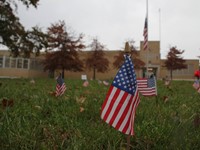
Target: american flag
122, 99
196, 85
147, 86
145, 34
60, 87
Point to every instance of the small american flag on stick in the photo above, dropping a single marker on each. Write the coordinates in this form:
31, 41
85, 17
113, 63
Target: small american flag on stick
147, 86
196, 85
60, 87
119, 107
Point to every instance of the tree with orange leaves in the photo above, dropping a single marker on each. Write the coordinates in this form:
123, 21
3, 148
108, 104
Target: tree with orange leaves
62, 50
174, 60
119, 59
96, 58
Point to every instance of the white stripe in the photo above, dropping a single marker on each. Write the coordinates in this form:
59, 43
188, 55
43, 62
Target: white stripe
127, 116
115, 105
129, 112
121, 110
136, 97
108, 102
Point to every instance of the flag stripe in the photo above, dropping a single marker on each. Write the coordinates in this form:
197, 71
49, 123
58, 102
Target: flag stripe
121, 113
145, 89
115, 105
122, 104
126, 126
122, 99
125, 115
112, 102
108, 101
60, 86
145, 34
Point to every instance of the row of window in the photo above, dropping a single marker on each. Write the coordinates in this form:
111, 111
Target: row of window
9, 62
21, 63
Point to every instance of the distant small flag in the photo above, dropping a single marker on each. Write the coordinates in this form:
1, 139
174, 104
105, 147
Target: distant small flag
60, 87
147, 86
122, 99
145, 34
85, 83
196, 85
105, 83
198, 90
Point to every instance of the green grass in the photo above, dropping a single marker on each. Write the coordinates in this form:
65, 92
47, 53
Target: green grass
38, 120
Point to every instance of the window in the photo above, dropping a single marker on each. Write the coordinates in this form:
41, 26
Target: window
19, 63
13, 63
25, 64
1, 62
7, 62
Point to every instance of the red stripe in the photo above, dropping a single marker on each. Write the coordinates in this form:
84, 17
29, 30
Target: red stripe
130, 121
118, 108
124, 114
111, 104
60, 89
106, 99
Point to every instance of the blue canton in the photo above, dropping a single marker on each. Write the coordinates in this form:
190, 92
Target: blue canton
126, 78
151, 82
60, 81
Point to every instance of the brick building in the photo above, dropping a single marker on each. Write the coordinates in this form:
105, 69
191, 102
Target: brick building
32, 68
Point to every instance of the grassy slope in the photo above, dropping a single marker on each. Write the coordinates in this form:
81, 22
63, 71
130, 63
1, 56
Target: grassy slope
38, 120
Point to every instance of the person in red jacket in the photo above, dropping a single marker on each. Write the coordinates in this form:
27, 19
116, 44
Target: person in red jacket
197, 74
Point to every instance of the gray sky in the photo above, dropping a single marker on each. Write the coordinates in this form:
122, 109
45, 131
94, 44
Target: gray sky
115, 21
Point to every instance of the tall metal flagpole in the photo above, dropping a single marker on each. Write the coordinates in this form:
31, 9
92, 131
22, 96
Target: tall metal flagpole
160, 28
160, 25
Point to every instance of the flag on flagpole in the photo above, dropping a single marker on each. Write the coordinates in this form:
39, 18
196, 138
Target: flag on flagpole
60, 87
147, 86
145, 34
122, 99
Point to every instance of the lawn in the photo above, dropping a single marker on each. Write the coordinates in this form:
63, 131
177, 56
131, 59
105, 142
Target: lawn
36, 119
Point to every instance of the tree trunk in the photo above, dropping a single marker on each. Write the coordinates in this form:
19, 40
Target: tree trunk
171, 73
94, 73
63, 73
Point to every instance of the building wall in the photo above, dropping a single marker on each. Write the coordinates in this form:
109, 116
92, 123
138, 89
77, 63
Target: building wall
35, 69
187, 73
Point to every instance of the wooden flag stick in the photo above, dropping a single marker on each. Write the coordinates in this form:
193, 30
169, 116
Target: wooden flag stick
127, 51
128, 142
127, 48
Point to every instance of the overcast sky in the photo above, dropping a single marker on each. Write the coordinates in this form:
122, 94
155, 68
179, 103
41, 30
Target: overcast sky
115, 21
